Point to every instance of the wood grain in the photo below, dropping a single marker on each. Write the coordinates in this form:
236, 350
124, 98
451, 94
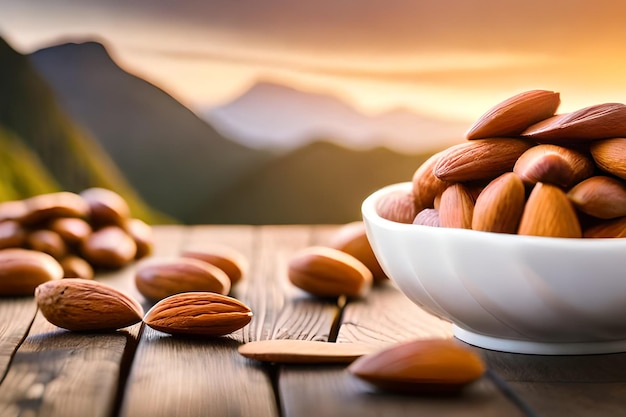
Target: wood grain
17, 315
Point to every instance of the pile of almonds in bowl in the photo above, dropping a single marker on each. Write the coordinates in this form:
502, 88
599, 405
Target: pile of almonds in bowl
526, 170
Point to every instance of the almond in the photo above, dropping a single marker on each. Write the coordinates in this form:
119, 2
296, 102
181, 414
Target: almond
198, 314
479, 159
499, 206
109, 247
600, 196
81, 305
43, 207
352, 239
157, 278
22, 270
141, 233
13, 210
515, 114
610, 155
614, 228
553, 164
420, 366
76, 267
426, 186
548, 212
106, 207
47, 241
229, 260
328, 272
72, 230
456, 207
12, 234
427, 217
397, 206
600, 121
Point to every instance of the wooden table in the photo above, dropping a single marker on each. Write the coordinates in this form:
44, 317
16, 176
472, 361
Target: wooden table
137, 372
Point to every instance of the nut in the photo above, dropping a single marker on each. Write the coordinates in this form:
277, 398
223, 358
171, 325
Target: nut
499, 206
229, 260
553, 164
198, 314
72, 230
328, 272
47, 241
109, 247
610, 155
12, 234
456, 207
548, 212
42, 207
398, 207
600, 121
420, 366
479, 159
76, 267
352, 239
106, 207
158, 278
600, 196
427, 217
515, 114
22, 270
81, 305
614, 228
141, 233
426, 186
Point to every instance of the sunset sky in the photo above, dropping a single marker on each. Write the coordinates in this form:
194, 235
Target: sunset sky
452, 58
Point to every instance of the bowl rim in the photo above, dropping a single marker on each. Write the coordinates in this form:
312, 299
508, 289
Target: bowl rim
370, 214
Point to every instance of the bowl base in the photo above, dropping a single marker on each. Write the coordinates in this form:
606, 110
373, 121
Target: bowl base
538, 348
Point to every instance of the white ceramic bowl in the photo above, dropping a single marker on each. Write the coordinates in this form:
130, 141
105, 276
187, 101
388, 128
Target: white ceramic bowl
505, 292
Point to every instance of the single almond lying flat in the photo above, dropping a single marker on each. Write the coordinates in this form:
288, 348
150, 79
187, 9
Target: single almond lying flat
81, 305
352, 239
436, 365
22, 270
304, 351
198, 314
600, 121
228, 259
515, 114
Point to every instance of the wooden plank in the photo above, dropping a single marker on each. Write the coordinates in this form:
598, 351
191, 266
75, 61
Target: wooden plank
17, 315
189, 377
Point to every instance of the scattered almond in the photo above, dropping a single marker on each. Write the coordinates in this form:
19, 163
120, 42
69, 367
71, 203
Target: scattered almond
158, 278
420, 366
515, 114
12, 234
109, 247
198, 314
610, 155
43, 207
456, 207
106, 207
548, 212
141, 233
328, 272
81, 305
553, 164
22, 270
76, 267
499, 206
398, 206
72, 230
228, 259
47, 241
352, 239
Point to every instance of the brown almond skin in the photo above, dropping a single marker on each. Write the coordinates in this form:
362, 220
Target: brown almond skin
72, 230
599, 121
426, 186
600, 196
229, 260
13, 210
110, 247
198, 314
41, 208
328, 272
158, 278
515, 114
141, 233
82, 305
610, 155
22, 270
106, 207
479, 159
614, 228
427, 217
456, 207
76, 267
553, 164
12, 234
548, 212
47, 241
398, 206
352, 239
420, 366
500, 205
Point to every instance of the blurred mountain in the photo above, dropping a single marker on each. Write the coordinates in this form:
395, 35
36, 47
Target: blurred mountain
318, 183
55, 153
271, 115
174, 159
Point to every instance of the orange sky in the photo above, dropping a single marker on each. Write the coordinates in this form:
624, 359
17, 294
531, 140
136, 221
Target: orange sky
452, 58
